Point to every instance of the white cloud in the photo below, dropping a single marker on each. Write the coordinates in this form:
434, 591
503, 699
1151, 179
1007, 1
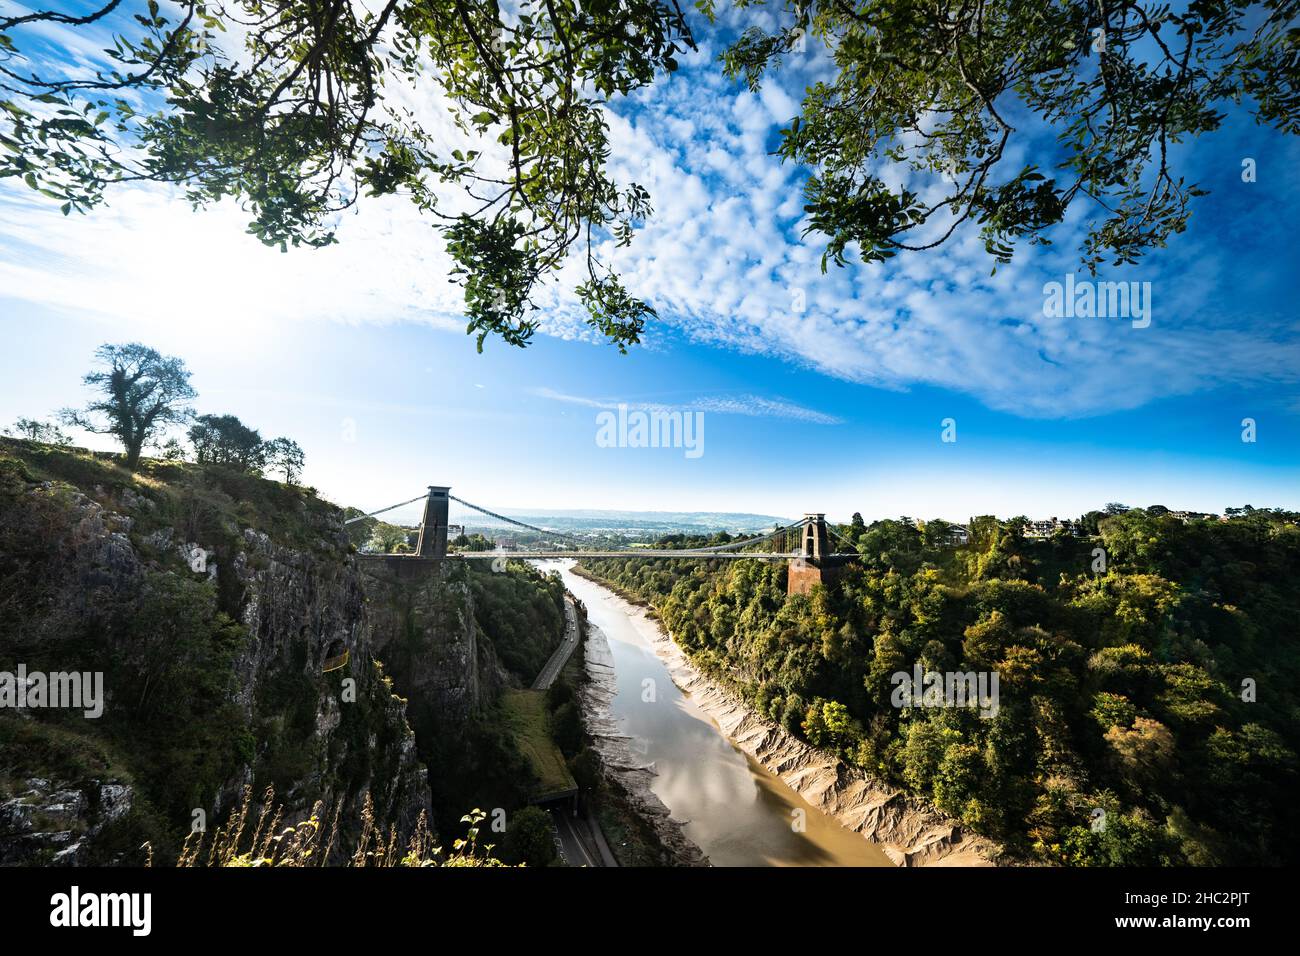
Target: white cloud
756, 406
753, 406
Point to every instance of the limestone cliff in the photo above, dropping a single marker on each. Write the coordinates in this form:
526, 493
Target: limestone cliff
422, 626
217, 608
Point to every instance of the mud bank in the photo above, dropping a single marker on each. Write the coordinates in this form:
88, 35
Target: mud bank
619, 758
910, 832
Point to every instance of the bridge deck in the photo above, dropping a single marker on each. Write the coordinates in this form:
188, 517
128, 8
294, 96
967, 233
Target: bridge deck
626, 553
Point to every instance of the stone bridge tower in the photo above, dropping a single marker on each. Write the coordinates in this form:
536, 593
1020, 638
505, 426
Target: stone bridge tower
814, 564
433, 527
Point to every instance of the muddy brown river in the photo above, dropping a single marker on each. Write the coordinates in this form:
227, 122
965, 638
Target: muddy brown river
735, 810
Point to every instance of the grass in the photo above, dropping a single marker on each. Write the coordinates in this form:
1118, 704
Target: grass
52, 752
310, 842
525, 714
196, 500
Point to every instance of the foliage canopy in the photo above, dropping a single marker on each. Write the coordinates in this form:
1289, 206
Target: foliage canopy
298, 110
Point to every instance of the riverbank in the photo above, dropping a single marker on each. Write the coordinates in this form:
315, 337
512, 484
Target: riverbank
640, 828
911, 833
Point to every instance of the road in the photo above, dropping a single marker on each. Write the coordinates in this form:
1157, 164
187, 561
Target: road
575, 848
580, 839
581, 847
552, 668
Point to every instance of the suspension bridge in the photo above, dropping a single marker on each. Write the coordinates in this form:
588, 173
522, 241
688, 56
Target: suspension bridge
806, 544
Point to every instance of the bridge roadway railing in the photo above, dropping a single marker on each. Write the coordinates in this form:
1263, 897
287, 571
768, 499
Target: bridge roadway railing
628, 553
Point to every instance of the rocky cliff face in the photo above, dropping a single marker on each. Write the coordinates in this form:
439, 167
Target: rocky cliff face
217, 609
421, 622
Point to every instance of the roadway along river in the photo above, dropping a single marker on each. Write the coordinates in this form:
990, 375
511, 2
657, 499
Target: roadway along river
736, 811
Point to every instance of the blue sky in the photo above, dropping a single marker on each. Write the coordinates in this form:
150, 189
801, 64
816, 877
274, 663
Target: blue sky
359, 353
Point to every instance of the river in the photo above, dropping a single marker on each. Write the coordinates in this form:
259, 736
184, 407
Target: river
734, 809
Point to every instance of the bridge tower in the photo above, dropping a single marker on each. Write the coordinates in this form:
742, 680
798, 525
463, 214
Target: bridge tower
816, 542
814, 564
433, 527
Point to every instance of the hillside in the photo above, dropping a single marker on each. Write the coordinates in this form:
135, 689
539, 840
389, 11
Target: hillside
217, 608
1146, 713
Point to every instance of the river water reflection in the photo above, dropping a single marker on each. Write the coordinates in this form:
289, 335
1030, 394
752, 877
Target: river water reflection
736, 811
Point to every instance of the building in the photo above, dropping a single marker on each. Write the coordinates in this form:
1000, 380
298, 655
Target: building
1045, 529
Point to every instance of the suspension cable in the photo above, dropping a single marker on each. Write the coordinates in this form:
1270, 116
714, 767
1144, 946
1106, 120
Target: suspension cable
520, 524
389, 508
731, 546
842, 538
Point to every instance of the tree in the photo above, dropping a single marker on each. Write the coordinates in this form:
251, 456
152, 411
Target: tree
566, 728
984, 531
285, 456
1089, 523
986, 641
1145, 751
586, 769
936, 533
32, 430
298, 111
957, 782
528, 838
891, 542
142, 393
912, 135
829, 724
387, 538
171, 451
225, 440
360, 531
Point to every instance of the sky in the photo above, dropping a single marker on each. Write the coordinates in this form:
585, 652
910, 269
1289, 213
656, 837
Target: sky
830, 393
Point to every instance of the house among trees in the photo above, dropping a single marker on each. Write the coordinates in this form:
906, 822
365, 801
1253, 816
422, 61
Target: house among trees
1045, 529
958, 535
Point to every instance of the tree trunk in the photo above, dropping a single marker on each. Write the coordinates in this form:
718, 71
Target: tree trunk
133, 455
